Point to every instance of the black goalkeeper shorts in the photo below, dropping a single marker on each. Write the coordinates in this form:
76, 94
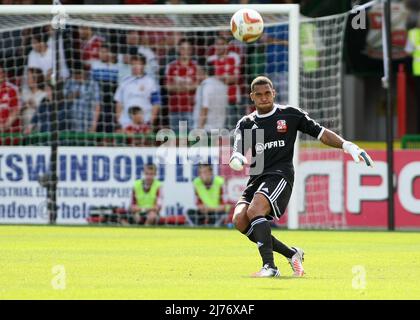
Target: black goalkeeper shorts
274, 187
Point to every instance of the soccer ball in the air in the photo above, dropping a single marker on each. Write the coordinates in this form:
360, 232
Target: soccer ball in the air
247, 25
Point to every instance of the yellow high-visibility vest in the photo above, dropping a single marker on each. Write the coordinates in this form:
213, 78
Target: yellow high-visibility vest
209, 196
414, 37
144, 199
308, 47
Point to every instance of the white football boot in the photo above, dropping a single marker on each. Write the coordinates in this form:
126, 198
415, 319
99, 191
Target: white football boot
266, 272
296, 262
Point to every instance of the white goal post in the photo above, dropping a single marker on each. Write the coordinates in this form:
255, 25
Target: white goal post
303, 55
292, 10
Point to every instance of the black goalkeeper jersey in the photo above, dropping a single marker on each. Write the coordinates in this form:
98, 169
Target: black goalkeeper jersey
271, 138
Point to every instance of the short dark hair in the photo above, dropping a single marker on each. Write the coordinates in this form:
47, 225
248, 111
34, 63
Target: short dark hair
138, 57
134, 109
205, 165
78, 66
182, 40
132, 50
38, 77
150, 166
105, 45
261, 80
40, 36
210, 69
221, 37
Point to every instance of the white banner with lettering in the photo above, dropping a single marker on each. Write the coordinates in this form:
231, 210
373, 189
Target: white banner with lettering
93, 177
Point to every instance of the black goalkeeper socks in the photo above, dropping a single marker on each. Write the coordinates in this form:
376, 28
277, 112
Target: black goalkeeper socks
262, 235
278, 246
281, 248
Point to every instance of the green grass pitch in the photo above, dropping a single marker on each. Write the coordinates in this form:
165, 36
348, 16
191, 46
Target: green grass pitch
183, 263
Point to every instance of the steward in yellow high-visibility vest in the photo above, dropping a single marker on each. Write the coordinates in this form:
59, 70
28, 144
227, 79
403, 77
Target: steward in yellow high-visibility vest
413, 47
146, 199
308, 47
208, 188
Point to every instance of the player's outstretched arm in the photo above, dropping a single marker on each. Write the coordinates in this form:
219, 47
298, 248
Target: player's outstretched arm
334, 140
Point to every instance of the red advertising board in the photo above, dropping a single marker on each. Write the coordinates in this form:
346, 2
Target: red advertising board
373, 209
334, 187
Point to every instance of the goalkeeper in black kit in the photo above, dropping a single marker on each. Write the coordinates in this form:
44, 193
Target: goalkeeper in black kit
270, 132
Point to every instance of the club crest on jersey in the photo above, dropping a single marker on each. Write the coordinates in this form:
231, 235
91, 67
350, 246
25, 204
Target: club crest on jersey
281, 126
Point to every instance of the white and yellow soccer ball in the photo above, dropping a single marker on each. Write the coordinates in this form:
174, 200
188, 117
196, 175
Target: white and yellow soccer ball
237, 161
247, 25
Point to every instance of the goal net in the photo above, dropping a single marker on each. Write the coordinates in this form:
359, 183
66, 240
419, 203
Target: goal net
115, 81
320, 180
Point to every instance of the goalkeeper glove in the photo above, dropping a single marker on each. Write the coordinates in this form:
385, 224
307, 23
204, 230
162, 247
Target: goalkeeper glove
357, 153
237, 161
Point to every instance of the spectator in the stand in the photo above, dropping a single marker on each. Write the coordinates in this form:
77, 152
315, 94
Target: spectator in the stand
182, 77
90, 44
124, 64
209, 192
138, 89
40, 56
9, 104
105, 72
276, 38
82, 99
133, 40
211, 102
413, 48
137, 126
32, 95
227, 67
234, 47
42, 121
166, 48
163, 40
147, 197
